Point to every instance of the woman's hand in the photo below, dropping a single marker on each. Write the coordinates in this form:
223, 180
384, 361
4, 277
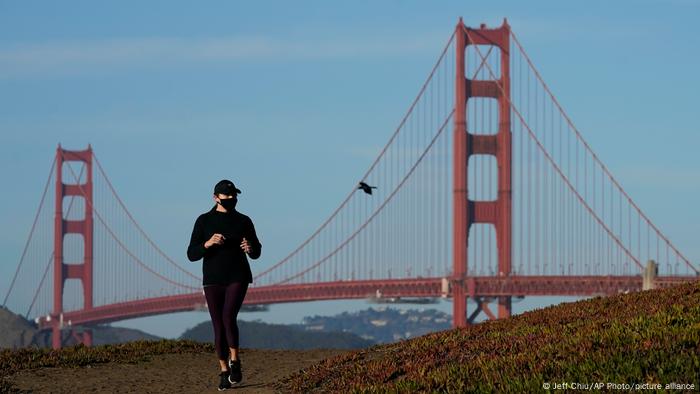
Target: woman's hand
216, 239
245, 246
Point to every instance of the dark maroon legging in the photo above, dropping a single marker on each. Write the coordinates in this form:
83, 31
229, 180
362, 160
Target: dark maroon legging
224, 302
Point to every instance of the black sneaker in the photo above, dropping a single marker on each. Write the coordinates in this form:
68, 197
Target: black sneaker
235, 375
223, 381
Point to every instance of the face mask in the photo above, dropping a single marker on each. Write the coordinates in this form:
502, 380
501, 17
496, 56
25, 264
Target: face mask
229, 203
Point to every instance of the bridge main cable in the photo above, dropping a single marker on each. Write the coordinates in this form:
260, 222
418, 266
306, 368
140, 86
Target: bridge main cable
130, 216
121, 244
31, 233
379, 209
595, 157
565, 178
372, 166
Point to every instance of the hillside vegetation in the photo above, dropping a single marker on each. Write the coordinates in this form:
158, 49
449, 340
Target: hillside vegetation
645, 337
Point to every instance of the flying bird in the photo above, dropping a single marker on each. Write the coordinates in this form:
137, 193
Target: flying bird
366, 188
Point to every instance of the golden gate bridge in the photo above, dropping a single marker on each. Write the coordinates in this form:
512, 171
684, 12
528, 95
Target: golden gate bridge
486, 191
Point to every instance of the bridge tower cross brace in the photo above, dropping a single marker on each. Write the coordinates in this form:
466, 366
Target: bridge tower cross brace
83, 271
466, 211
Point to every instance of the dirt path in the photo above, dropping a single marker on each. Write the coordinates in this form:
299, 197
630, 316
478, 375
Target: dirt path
171, 373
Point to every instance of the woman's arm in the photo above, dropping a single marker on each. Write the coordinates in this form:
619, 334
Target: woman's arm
252, 238
197, 249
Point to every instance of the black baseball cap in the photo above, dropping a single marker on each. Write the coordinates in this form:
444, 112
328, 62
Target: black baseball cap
226, 187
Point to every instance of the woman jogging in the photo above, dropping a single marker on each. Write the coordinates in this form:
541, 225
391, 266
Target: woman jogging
223, 237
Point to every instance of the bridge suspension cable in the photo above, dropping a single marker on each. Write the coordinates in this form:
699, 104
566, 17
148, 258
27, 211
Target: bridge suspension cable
593, 154
585, 248
377, 211
31, 233
138, 226
381, 155
122, 245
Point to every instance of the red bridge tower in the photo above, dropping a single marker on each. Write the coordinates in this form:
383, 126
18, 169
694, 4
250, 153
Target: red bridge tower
63, 226
466, 211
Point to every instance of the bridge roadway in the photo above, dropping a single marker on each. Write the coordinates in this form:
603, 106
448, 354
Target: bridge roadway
489, 286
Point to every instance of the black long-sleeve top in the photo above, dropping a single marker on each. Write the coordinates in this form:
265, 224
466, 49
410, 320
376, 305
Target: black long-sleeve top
227, 263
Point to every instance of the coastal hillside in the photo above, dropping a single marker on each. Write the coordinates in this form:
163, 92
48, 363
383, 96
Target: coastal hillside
18, 332
650, 337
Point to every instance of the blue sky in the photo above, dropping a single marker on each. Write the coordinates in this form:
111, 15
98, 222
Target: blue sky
292, 100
